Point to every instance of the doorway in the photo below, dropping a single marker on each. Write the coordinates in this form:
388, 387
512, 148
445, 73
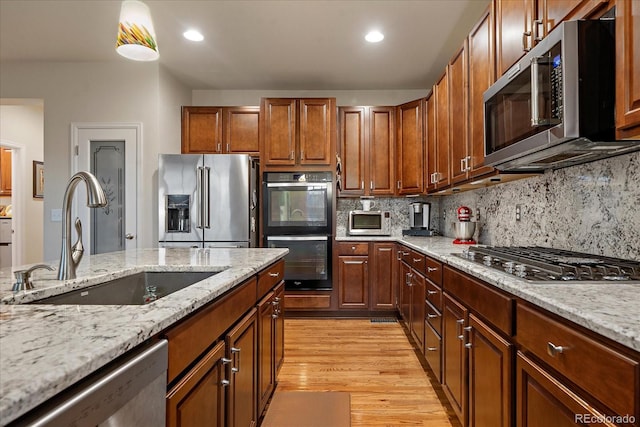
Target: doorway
110, 151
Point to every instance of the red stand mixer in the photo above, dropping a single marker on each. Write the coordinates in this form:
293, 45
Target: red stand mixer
464, 228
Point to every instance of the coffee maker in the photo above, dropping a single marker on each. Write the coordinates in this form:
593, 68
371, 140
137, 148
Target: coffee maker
419, 220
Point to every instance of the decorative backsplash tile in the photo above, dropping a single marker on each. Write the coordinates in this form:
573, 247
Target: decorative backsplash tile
592, 208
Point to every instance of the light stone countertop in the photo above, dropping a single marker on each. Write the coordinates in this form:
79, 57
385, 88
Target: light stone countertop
46, 348
609, 309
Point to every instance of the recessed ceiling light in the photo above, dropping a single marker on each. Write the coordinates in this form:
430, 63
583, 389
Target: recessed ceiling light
193, 35
374, 36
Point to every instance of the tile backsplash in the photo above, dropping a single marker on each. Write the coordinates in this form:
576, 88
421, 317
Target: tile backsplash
592, 208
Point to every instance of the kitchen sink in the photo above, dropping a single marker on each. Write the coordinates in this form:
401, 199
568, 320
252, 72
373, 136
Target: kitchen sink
137, 289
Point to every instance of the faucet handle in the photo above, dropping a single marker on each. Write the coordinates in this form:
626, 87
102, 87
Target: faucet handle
23, 277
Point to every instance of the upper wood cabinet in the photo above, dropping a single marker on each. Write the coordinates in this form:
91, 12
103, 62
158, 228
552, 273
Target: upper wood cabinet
218, 130
481, 75
5, 172
520, 24
628, 69
367, 149
458, 121
439, 177
410, 148
298, 133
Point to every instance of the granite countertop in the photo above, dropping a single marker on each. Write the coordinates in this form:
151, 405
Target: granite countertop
46, 348
609, 309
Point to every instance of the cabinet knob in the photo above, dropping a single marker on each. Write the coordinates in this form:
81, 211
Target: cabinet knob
353, 248
554, 350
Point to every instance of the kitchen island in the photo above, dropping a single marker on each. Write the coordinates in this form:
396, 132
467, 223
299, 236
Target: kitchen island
46, 348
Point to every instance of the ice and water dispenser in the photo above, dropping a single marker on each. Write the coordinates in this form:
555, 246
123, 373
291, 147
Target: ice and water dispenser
178, 213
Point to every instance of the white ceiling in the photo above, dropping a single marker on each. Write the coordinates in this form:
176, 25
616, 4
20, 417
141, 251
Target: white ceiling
256, 44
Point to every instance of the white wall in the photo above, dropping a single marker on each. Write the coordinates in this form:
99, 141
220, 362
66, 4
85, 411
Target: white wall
23, 125
123, 91
343, 97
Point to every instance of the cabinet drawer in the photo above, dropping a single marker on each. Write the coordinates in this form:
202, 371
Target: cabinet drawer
417, 261
191, 337
494, 306
268, 278
434, 318
609, 376
301, 302
433, 350
434, 271
352, 248
434, 295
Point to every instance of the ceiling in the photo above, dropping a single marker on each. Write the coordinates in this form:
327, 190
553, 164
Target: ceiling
258, 44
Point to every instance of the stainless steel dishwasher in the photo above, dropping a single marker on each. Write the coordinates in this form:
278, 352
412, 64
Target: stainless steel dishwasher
130, 391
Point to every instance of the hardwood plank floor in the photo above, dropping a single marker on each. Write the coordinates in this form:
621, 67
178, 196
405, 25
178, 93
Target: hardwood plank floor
373, 361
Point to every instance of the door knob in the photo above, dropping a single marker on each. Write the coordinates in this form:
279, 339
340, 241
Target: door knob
128, 236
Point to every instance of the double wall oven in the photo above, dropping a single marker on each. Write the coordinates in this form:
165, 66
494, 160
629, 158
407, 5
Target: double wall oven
297, 215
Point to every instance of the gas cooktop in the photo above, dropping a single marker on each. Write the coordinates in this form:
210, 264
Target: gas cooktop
539, 264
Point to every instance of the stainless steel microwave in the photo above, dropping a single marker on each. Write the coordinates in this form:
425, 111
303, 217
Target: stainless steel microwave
369, 223
556, 106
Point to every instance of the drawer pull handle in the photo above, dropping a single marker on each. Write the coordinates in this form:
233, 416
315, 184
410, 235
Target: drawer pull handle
468, 345
431, 269
432, 316
431, 292
225, 383
459, 324
417, 259
432, 348
553, 349
274, 274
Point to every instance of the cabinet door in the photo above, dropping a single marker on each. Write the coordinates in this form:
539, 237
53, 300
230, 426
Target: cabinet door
490, 379
241, 130
431, 143
279, 326
352, 149
381, 151
266, 350
418, 300
353, 279
410, 148
481, 77
405, 293
628, 68
513, 32
242, 402
201, 130
315, 131
5, 172
199, 398
550, 13
458, 160
383, 295
543, 401
441, 179
278, 131
454, 358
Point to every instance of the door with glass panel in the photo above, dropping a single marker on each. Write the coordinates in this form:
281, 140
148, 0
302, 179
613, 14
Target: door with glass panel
110, 153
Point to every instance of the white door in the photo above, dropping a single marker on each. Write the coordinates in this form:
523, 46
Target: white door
110, 152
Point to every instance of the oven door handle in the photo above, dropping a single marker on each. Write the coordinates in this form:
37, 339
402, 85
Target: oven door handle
299, 238
298, 184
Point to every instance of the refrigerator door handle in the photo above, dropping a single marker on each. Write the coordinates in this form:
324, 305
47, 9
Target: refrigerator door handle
206, 208
199, 173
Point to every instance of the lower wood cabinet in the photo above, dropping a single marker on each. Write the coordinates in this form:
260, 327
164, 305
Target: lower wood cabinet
270, 343
544, 401
418, 292
490, 376
242, 397
364, 285
454, 356
200, 397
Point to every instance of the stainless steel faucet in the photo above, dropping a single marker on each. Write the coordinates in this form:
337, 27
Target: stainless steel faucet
71, 255
23, 277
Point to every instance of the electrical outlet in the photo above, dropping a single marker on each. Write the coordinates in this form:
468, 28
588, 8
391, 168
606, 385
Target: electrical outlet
518, 212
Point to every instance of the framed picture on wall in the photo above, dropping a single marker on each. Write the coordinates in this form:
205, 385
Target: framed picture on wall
38, 180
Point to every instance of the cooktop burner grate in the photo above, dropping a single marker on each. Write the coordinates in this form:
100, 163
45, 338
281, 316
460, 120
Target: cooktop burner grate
541, 264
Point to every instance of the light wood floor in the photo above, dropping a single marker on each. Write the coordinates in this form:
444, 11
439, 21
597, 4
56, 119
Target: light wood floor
373, 361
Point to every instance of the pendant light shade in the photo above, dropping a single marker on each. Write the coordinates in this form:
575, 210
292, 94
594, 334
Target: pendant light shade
136, 36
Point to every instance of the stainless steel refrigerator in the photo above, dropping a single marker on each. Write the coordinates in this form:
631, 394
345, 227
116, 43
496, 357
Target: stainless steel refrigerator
207, 200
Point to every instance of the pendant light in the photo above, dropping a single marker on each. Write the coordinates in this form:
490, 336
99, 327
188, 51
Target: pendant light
136, 36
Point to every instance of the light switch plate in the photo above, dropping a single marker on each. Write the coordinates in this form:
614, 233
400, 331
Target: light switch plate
56, 215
